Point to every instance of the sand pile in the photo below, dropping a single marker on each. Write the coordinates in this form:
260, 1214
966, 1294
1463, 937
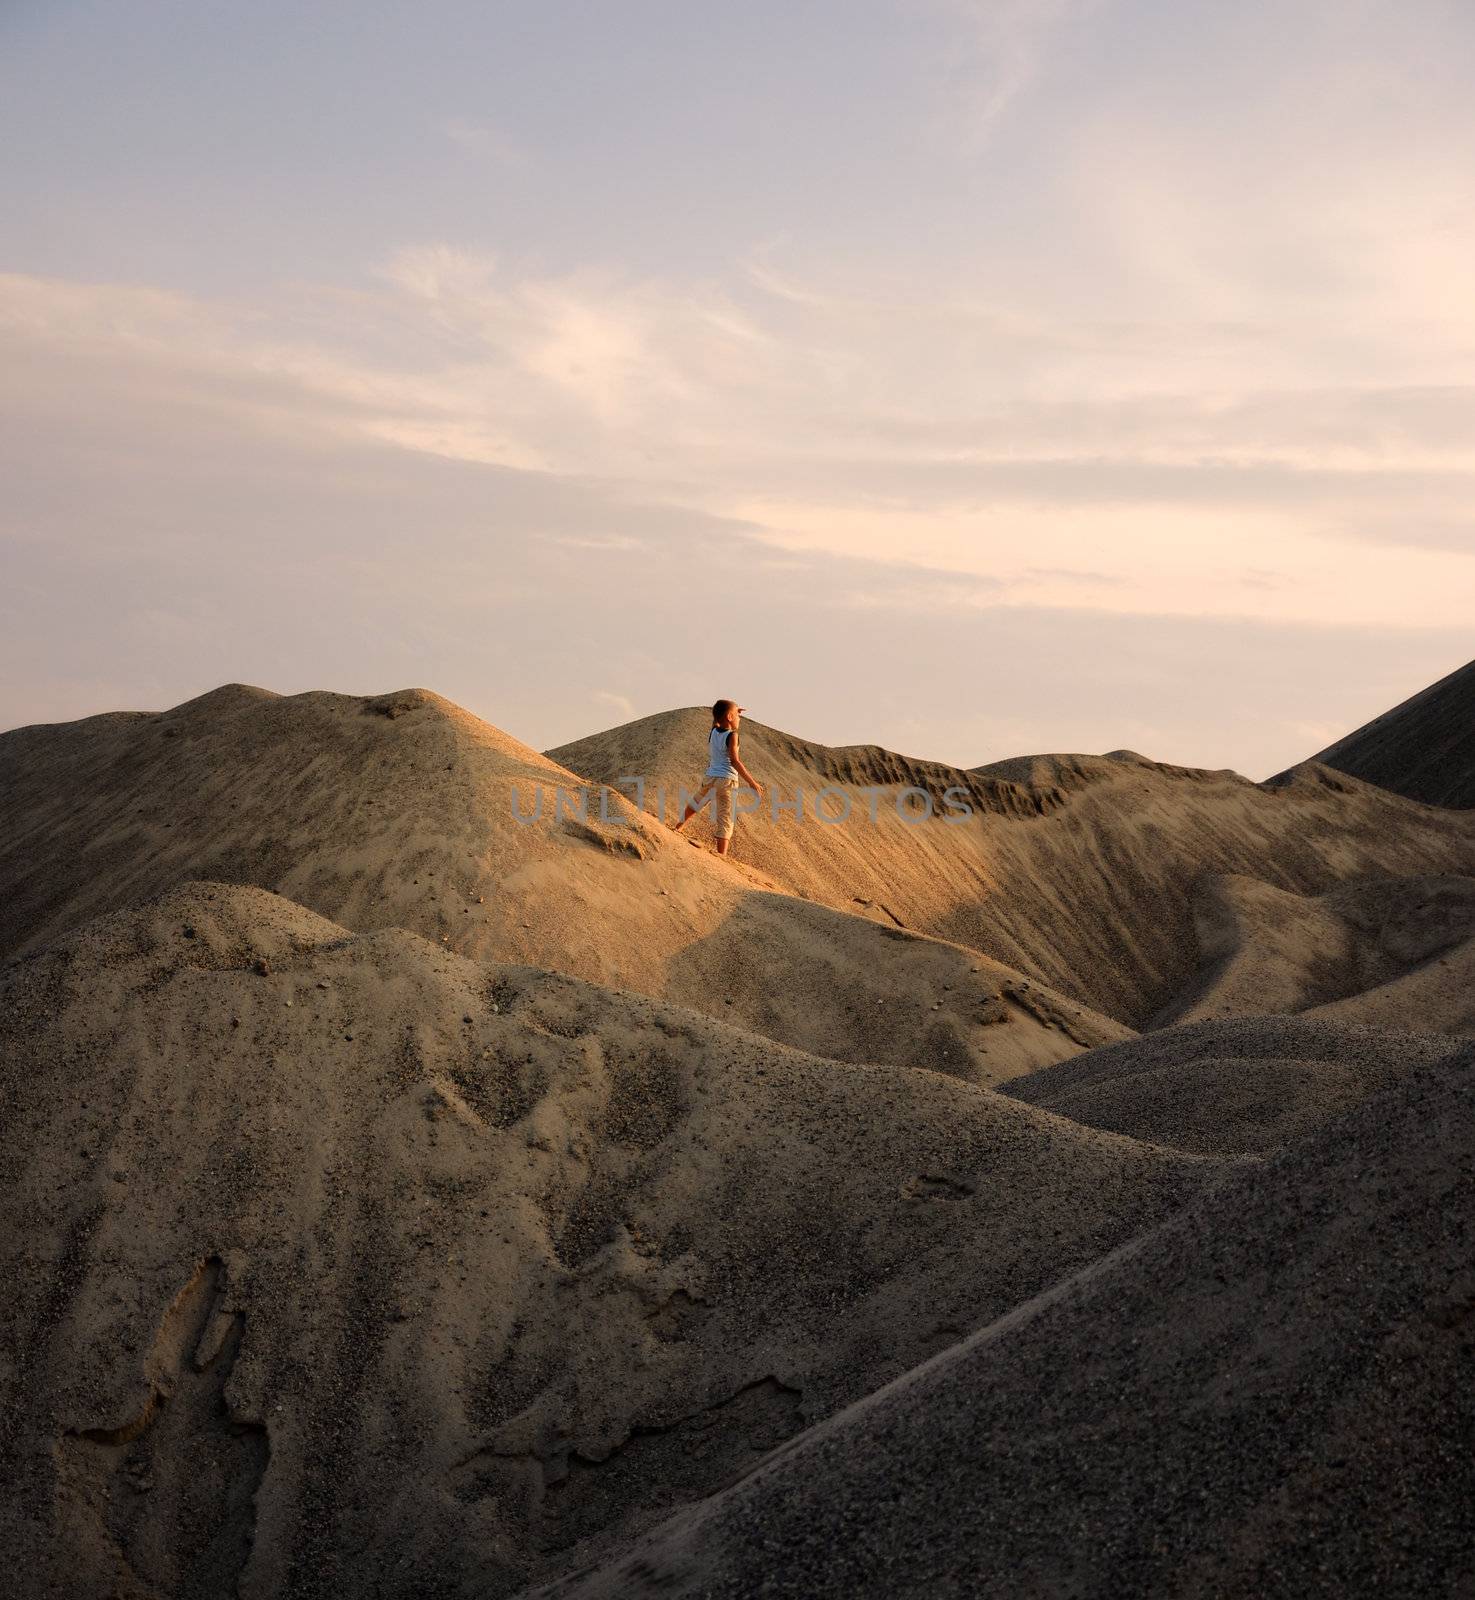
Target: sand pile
341, 1264
1228, 1087
1423, 748
1078, 871
401, 1199
1268, 1396
398, 811
1399, 952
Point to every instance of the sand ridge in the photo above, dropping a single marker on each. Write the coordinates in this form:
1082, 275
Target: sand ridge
1229, 1086
397, 1199
1092, 891
1423, 748
1403, 948
1264, 1397
398, 811
457, 1269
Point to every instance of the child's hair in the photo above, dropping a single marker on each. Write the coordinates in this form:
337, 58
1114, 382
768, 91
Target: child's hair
720, 708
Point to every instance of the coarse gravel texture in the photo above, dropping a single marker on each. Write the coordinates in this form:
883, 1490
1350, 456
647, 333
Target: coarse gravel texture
404, 1196
1268, 1396
1076, 871
343, 1265
1240, 1085
404, 810
1398, 952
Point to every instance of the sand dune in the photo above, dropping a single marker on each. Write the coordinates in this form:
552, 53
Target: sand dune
1437, 995
1266, 1397
1410, 940
398, 1198
341, 1264
1077, 871
1423, 748
398, 811
1228, 1087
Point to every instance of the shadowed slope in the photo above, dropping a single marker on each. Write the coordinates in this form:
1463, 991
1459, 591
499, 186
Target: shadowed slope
1423, 748
402, 810
1075, 870
1268, 1396
1227, 1087
340, 1265
1396, 951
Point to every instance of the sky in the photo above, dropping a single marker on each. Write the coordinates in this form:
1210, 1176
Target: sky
971, 377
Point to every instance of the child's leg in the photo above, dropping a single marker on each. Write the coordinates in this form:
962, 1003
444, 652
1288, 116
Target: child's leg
693, 806
724, 821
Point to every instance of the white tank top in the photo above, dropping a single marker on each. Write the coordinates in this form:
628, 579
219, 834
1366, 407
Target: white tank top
719, 762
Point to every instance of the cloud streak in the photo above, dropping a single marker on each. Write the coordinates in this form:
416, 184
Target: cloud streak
875, 428
999, 51
1137, 336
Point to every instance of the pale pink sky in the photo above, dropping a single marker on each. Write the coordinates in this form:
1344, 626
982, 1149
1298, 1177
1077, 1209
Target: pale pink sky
972, 378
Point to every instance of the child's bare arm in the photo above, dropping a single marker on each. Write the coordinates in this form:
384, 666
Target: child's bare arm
742, 771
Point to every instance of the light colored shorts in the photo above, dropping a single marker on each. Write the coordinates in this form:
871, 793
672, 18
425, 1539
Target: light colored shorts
722, 790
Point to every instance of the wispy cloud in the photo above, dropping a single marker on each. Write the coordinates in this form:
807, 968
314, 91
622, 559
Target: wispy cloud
1230, 371
829, 427
999, 50
616, 543
622, 703
481, 139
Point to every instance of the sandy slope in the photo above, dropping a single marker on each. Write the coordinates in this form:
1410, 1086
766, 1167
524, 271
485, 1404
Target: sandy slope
342, 1265
1423, 748
398, 811
501, 1204
1267, 1397
1077, 870
1437, 994
1396, 951
1228, 1086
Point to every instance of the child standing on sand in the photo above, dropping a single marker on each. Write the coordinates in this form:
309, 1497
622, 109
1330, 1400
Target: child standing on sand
724, 768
